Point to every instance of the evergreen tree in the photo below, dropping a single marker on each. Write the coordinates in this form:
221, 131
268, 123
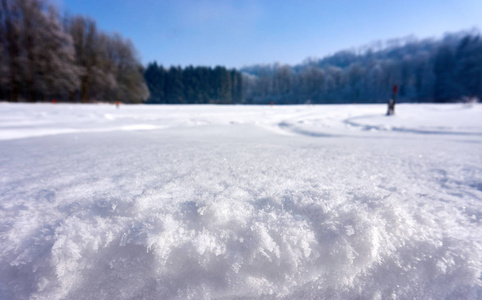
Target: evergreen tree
193, 85
445, 87
468, 70
155, 79
175, 87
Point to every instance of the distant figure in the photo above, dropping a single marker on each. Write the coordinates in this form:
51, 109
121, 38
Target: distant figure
54, 101
117, 104
391, 107
392, 102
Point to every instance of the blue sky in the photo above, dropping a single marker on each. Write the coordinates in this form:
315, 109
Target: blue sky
241, 33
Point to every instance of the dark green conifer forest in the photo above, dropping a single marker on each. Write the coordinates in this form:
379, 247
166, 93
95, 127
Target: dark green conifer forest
193, 85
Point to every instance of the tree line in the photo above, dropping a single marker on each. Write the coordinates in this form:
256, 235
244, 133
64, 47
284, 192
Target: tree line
193, 85
44, 56
429, 70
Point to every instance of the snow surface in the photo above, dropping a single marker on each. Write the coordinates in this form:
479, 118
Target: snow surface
209, 202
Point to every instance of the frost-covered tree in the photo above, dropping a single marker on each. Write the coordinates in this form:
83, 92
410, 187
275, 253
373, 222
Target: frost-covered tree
109, 68
57, 59
43, 58
129, 82
4, 67
11, 62
425, 70
90, 58
36, 53
32, 34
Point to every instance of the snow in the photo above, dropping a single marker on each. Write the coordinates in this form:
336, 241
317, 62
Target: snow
216, 202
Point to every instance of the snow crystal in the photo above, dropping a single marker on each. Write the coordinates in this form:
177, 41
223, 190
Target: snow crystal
208, 202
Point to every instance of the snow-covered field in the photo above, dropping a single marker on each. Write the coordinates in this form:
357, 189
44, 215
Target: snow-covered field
210, 202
